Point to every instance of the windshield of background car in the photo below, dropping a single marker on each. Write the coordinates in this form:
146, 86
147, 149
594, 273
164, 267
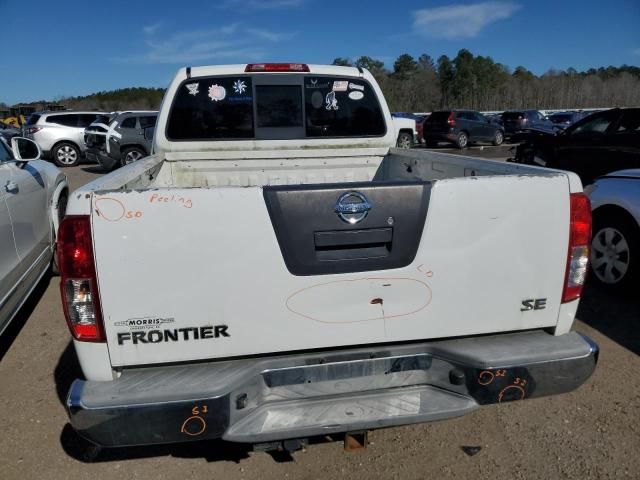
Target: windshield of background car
33, 119
233, 108
598, 124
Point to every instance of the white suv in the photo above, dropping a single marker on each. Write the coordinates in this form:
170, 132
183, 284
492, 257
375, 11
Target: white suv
60, 135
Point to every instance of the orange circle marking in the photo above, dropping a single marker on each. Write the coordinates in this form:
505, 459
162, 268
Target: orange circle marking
488, 377
107, 204
203, 426
504, 390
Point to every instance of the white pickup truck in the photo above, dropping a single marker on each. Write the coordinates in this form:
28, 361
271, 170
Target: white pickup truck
276, 271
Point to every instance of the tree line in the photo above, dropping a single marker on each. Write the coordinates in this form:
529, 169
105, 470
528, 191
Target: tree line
479, 83
466, 81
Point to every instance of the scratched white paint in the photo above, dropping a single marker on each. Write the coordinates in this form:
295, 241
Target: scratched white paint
213, 264
185, 234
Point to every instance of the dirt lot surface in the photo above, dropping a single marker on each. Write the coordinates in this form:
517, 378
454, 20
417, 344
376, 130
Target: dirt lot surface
593, 432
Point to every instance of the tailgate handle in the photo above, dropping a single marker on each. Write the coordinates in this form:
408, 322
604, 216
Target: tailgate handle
353, 244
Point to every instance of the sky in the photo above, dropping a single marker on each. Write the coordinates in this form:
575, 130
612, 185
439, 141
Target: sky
69, 48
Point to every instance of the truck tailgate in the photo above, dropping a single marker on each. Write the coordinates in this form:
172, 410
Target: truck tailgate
205, 273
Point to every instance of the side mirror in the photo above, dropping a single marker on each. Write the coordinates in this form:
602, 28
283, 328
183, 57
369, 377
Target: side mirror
148, 133
25, 149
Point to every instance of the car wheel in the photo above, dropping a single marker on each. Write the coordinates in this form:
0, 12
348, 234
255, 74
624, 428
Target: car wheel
615, 250
131, 154
498, 138
66, 154
404, 140
463, 140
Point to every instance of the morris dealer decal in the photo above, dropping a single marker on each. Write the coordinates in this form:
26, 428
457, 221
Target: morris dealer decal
148, 330
186, 334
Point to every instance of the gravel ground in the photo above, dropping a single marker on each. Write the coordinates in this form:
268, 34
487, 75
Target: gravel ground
593, 432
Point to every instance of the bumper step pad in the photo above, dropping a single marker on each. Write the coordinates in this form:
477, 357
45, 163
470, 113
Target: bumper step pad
357, 412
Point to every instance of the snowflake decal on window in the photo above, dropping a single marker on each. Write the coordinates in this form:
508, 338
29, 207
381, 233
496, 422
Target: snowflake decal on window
239, 86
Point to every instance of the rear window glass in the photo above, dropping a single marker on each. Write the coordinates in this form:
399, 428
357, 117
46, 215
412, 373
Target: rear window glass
340, 107
66, 120
561, 118
438, 117
223, 108
33, 119
512, 115
219, 108
279, 105
86, 119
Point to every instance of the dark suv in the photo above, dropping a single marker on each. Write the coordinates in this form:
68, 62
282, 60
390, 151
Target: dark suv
597, 145
119, 139
460, 127
517, 120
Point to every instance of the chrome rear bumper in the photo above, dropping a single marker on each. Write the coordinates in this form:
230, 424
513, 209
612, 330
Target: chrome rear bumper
296, 396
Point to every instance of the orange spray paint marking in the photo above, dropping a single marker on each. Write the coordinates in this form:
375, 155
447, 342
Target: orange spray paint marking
485, 377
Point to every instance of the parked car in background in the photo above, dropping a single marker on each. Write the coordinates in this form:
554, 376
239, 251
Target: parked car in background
598, 144
615, 248
420, 127
119, 139
461, 127
32, 203
8, 132
60, 135
418, 118
514, 121
564, 119
405, 127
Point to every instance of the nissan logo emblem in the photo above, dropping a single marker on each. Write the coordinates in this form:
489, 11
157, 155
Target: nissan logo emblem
352, 207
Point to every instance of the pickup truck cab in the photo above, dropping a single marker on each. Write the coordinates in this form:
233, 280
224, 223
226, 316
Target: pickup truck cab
277, 270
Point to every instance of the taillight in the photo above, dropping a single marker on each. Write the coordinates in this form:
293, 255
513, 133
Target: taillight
78, 285
32, 130
579, 242
276, 67
451, 120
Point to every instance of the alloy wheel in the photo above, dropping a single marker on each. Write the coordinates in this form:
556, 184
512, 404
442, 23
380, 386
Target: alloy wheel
610, 255
67, 155
132, 156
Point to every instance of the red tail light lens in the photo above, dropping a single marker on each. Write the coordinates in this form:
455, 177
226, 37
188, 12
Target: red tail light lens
451, 120
579, 242
32, 130
276, 67
78, 285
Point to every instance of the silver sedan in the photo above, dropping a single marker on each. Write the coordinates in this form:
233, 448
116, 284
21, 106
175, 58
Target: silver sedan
615, 247
33, 196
